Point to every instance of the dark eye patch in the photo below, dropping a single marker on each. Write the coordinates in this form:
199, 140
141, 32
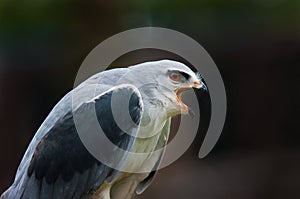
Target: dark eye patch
185, 75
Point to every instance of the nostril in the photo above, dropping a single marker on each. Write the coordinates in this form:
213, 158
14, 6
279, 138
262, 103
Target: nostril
197, 84
200, 85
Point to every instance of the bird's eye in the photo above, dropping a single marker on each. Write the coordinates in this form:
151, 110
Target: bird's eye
174, 76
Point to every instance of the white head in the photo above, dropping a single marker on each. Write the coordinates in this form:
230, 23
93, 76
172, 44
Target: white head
163, 82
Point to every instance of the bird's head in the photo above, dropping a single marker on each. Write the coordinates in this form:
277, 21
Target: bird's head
164, 81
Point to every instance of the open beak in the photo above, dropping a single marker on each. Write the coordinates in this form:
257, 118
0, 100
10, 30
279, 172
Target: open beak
184, 108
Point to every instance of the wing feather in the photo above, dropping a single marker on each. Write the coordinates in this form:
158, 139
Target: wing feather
62, 166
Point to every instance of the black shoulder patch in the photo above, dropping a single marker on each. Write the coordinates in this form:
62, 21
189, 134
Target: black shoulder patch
106, 118
60, 152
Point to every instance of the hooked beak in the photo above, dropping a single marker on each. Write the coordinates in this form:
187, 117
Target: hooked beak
199, 85
184, 108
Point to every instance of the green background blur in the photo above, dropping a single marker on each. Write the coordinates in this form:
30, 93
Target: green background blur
255, 44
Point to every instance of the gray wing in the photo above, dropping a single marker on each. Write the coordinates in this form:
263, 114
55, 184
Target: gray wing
61, 167
164, 135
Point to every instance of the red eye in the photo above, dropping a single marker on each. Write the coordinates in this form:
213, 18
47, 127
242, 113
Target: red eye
174, 76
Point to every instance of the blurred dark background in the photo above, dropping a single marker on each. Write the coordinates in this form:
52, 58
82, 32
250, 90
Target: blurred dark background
255, 44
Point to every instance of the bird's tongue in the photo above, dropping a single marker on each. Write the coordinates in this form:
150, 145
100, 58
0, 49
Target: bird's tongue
191, 113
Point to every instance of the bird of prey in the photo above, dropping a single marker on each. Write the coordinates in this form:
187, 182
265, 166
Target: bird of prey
58, 165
